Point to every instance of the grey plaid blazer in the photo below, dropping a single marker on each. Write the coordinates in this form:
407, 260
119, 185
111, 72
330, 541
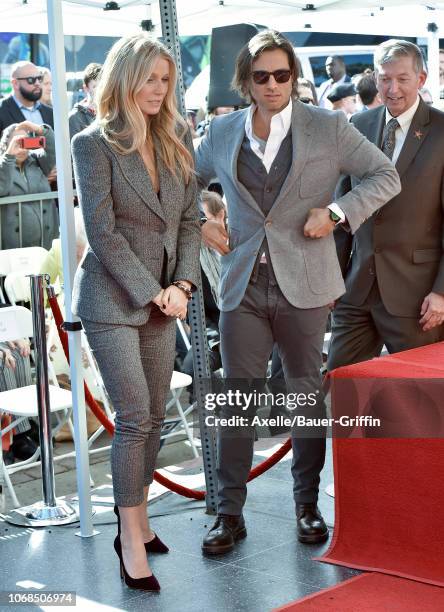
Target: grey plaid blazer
129, 229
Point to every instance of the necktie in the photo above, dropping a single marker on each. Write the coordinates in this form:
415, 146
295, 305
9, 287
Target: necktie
388, 139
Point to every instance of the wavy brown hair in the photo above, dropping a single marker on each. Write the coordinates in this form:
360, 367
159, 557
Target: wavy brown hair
126, 69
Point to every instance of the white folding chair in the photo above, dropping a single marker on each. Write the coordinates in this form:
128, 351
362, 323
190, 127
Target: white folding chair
21, 403
179, 382
18, 263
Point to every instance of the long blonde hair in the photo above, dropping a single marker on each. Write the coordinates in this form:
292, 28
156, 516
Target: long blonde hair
126, 69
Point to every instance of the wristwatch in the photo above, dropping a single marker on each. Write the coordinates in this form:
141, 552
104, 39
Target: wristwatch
334, 217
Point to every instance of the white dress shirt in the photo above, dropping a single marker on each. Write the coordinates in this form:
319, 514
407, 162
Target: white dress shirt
404, 120
280, 125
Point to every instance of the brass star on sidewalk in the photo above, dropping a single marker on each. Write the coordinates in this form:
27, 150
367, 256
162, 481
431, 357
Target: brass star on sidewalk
419, 134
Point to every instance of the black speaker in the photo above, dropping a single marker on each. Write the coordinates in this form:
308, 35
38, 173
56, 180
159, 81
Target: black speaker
226, 42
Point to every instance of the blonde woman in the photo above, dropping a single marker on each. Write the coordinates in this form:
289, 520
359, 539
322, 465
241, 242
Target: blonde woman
137, 191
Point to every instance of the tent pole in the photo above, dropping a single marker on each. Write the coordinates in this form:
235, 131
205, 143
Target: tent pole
68, 240
202, 376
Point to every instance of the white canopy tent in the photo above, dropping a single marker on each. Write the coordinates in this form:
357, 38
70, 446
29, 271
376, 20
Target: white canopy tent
59, 17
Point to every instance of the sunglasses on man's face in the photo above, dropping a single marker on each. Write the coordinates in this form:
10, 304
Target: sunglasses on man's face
306, 100
261, 77
31, 80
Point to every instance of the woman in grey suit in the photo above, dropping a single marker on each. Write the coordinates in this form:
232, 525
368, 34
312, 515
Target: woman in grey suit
134, 174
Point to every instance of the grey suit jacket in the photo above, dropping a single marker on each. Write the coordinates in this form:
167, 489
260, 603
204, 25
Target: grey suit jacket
324, 146
128, 231
403, 245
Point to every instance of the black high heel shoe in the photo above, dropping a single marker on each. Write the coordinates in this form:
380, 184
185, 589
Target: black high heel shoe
155, 546
147, 583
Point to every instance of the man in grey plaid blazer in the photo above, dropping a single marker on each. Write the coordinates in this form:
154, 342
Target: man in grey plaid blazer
278, 162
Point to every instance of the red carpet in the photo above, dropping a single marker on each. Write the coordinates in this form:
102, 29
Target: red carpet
389, 493
372, 593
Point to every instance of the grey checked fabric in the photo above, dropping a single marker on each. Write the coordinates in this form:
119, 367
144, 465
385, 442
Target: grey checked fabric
388, 140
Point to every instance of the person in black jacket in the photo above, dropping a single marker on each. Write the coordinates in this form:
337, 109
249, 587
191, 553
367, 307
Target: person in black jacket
24, 102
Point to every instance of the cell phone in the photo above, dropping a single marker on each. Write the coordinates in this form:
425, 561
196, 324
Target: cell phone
32, 142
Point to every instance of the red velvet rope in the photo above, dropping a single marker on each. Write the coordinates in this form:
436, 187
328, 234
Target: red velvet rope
109, 426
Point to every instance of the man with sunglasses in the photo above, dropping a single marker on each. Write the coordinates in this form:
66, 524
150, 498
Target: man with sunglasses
24, 102
278, 162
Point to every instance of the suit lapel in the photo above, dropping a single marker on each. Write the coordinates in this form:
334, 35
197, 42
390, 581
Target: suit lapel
233, 146
374, 128
301, 134
135, 172
15, 112
416, 135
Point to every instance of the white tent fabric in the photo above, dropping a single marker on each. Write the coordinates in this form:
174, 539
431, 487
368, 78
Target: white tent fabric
87, 17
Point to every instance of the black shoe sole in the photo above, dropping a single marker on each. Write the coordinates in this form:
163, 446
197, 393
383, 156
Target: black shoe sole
313, 538
222, 550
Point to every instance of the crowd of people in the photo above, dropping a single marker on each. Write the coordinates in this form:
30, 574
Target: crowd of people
291, 213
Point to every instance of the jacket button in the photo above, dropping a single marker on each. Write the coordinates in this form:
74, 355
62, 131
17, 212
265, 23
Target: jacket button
371, 271
268, 223
378, 250
45, 211
16, 230
268, 189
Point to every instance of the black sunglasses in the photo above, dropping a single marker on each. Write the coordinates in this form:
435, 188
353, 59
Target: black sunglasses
260, 77
306, 100
31, 80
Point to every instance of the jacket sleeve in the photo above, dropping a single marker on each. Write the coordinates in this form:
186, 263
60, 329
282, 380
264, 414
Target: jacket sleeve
92, 170
47, 161
438, 285
189, 236
7, 169
204, 159
379, 180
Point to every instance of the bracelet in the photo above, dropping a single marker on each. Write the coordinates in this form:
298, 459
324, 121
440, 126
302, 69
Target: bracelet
183, 288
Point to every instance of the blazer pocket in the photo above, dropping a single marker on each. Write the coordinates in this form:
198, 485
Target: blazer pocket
127, 233
316, 178
426, 255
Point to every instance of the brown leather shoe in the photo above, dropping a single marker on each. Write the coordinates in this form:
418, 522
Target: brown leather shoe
224, 534
311, 526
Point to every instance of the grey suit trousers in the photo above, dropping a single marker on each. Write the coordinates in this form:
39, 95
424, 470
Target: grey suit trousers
136, 364
248, 334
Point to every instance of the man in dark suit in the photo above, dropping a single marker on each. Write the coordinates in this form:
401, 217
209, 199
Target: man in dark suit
23, 104
394, 266
335, 69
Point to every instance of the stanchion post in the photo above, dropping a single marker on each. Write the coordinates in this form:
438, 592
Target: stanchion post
202, 376
50, 511
42, 386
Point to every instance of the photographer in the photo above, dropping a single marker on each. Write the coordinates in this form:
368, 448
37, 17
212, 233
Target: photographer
25, 171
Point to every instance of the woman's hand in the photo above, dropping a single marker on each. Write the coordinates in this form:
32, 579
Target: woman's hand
14, 147
158, 299
29, 126
174, 302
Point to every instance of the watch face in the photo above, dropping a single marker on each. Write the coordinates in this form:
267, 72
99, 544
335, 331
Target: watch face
334, 217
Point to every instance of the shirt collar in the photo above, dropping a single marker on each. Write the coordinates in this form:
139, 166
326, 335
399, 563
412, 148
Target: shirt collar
405, 118
28, 108
280, 121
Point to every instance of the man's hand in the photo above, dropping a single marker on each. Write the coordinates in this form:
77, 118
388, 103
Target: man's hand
9, 359
215, 236
318, 224
432, 311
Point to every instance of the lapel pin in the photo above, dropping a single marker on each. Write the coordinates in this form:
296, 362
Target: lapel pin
418, 134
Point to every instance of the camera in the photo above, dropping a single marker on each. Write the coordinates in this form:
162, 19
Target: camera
32, 142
